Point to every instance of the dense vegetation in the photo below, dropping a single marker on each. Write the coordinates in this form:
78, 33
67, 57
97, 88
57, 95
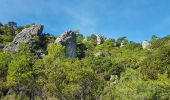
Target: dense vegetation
127, 73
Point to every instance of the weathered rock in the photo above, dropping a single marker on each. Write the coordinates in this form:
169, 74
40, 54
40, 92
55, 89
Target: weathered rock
25, 36
68, 39
100, 39
122, 44
99, 54
145, 44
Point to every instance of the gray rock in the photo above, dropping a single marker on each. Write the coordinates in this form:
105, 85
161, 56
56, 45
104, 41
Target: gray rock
122, 44
145, 44
25, 36
68, 39
99, 54
100, 38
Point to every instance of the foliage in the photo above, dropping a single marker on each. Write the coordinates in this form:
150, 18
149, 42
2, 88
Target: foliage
7, 34
126, 73
132, 86
20, 75
4, 60
12, 24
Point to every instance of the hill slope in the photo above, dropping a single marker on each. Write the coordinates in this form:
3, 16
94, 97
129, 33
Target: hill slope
71, 66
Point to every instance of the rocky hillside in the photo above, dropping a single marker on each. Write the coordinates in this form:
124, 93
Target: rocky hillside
36, 65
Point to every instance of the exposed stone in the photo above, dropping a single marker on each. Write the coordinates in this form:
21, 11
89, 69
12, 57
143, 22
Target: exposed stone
25, 36
145, 44
122, 44
68, 39
99, 54
100, 39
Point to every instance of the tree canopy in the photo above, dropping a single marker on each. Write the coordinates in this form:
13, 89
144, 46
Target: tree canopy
121, 73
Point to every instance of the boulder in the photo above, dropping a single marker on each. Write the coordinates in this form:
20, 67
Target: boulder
145, 44
99, 54
100, 39
25, 36
68, 39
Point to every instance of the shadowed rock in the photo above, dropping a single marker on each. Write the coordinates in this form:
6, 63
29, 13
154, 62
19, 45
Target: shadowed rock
68, 39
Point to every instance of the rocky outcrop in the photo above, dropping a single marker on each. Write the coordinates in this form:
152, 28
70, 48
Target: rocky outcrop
26, 36
68, 39
145, 44
100, 39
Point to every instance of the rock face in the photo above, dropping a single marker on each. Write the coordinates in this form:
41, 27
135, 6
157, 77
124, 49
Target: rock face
25, 36
145, 44
100, 39
68, 39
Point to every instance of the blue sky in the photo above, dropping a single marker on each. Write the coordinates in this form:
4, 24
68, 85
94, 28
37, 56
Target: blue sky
136, 19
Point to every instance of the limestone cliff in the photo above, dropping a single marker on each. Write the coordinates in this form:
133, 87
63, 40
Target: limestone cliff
68, 39
25, 36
